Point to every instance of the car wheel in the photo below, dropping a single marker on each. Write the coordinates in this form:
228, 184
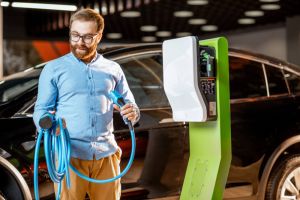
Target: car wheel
284, 182
12, 184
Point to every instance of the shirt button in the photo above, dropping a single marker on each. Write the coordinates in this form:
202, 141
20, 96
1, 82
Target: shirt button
90, 77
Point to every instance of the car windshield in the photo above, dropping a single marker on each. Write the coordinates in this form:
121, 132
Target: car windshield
11, 88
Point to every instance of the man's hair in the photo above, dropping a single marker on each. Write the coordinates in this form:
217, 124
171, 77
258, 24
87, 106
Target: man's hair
88, 14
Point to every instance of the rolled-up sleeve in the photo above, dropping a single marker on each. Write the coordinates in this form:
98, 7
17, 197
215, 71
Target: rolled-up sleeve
47, 94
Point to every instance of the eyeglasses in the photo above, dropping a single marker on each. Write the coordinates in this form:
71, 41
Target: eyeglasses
88, 38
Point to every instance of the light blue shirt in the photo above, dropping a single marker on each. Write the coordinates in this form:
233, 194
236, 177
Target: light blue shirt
79, 93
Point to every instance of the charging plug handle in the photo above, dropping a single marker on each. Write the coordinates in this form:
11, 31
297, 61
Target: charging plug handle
117, 99
47, 121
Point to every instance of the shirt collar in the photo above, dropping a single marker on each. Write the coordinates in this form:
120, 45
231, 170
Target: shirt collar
97, 57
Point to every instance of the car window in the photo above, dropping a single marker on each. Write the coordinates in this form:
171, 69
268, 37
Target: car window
15, 87
293, 81
145, 78
28, 107
246, 78
276, 82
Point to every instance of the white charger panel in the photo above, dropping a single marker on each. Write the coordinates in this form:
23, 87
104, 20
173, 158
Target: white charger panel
180, 73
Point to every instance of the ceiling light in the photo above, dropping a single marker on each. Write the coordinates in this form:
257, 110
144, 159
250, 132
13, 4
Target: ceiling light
130, 14
197, 21
114, 35
183, 34
197, 2
104, 8
4, 4
254, 13
137, 3
163, 33
45, 6
96, 7
269, 1
270, 7
209, 28
112, 7
148, 28
148, 39
183, 13
246, 21
120, 5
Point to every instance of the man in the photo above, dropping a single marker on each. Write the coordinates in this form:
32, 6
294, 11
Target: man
76, 87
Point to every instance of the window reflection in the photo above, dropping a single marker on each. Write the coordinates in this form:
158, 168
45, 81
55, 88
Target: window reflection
293, 81
246, 79
145, 77
276, 81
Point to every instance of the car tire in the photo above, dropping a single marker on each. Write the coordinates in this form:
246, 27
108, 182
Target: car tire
12, 184
282, 181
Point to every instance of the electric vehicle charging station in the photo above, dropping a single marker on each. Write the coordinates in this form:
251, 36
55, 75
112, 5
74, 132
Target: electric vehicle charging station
196, 82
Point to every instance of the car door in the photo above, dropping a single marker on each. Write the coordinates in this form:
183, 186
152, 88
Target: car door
258, 93
161, 155
293, 78
281, 106
248, 95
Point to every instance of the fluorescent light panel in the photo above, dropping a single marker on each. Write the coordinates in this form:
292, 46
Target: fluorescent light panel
183, 13
246, 21
44, 6
114, 35
183, 34
268, 1
197, 21
4, 4
254, 13
130, 14
270, 7
163, 33
148, 28
197, 2
148, 39
209, 28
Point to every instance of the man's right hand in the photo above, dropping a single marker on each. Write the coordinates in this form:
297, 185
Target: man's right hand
57, 131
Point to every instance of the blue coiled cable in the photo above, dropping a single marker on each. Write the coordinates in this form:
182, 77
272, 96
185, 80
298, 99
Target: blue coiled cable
57, 150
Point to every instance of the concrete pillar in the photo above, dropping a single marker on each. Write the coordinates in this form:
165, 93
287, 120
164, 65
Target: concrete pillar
1, 42
293, 39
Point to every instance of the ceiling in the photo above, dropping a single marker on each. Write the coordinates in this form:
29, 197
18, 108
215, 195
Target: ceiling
212, 17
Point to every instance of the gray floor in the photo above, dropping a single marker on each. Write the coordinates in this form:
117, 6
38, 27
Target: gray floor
237, 193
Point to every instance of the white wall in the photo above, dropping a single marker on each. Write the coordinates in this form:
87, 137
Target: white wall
293, 39
271, 41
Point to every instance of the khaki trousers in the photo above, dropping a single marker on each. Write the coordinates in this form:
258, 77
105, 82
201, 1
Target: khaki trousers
104, 168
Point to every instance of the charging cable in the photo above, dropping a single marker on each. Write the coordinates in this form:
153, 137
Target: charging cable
57, 150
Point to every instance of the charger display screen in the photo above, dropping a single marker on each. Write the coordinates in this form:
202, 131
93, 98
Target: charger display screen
207, 79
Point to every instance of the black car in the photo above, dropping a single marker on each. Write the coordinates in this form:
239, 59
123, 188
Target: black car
265, 124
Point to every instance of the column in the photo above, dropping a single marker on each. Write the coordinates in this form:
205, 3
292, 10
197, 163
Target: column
293, 39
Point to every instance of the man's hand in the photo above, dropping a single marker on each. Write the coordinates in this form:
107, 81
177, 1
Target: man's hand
57, 131
129, 111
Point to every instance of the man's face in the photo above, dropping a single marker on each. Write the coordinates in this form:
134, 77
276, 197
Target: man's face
88, 38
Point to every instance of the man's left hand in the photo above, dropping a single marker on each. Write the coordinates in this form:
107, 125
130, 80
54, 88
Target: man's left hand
130, 111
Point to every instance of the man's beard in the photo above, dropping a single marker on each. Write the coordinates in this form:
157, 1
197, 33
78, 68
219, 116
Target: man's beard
83, 52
